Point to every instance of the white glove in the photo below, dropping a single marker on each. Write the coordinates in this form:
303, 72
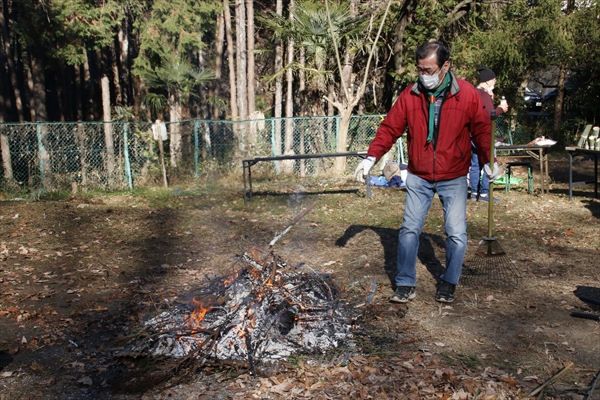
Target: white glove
363, 169
492, 175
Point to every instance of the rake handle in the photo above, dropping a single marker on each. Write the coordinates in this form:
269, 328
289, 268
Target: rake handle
585, 315
491, 186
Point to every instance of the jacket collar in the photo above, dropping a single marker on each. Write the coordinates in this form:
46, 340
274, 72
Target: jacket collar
454, 87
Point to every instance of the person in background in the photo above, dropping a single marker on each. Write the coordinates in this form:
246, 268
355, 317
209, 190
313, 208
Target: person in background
441, 114
480, 185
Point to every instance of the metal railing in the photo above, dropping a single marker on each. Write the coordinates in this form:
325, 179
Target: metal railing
54, 156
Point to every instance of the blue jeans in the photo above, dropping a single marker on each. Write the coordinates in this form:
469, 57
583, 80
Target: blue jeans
419, 196
477, 187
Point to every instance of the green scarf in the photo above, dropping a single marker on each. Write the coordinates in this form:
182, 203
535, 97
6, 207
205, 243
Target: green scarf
432, 97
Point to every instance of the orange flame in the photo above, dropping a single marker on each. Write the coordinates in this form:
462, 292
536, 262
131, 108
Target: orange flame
199, 312
231, 278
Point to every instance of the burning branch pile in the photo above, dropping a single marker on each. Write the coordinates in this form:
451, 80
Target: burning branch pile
264, 311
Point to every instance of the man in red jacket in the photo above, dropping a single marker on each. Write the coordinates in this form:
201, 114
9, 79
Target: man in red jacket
441, 115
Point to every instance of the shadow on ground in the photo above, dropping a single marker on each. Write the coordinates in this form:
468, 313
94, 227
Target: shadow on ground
389, 242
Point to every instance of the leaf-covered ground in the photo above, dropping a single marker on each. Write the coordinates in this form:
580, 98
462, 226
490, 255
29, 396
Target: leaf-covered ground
78, 276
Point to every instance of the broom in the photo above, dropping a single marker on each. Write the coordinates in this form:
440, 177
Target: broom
490, 266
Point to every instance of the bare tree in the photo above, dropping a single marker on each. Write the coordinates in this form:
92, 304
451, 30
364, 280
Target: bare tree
278, 85
219, 46
5, 48
231, 61
115, 74
123, 39
289, 100
251, 65
350, 94
108, 128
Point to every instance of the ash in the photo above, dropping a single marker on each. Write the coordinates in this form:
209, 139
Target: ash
263, 311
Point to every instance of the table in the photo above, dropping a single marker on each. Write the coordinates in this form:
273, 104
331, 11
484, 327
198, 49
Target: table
249, 162
578, 150
541, 156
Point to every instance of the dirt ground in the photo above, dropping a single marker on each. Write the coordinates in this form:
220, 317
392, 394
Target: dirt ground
78, 276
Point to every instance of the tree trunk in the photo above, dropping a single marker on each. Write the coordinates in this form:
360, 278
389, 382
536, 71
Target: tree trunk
39, 88
123, 39
6, 158
41, 114
278, 86
231, 63
89, 90
138, 93
560, 97
31, 95
207, 148
242, 71
12, 72
346, 95
250, 39
219, 44
5, 147
80, 130
175, 111
406, 12
115, 75
289, 100
108, 130
302, 107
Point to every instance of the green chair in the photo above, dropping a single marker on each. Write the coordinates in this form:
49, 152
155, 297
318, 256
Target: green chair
529, 174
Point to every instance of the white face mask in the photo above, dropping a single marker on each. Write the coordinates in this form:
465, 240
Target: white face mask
430, 81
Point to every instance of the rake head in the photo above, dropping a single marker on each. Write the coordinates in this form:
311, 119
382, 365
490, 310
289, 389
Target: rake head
490, 267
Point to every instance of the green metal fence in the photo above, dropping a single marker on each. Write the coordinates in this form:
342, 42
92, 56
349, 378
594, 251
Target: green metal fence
124, 155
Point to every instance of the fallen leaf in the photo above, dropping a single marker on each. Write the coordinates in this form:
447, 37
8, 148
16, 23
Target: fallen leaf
6, 374
86, 380
49, 382
36, 367
509, 380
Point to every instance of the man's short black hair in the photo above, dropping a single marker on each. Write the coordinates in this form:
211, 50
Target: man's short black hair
425, 50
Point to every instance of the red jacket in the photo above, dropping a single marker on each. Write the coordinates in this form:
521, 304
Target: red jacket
462, 119
488, 102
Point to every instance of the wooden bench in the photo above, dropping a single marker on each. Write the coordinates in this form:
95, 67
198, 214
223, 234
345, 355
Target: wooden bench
249, 162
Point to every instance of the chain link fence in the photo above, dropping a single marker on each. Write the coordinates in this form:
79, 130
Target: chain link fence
38, 157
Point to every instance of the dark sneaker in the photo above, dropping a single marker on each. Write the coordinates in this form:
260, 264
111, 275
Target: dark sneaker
486, 198
474, 197
445, 292
403, 294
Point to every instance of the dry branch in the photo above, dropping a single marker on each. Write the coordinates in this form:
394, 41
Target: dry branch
537, 390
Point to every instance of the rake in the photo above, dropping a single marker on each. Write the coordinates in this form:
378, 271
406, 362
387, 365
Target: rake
490, 266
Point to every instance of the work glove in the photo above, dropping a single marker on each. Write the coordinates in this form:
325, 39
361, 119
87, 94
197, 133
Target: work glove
492, 175
363, 169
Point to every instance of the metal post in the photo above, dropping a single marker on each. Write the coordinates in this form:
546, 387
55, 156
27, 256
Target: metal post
126, 155
570, 176
596, 175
